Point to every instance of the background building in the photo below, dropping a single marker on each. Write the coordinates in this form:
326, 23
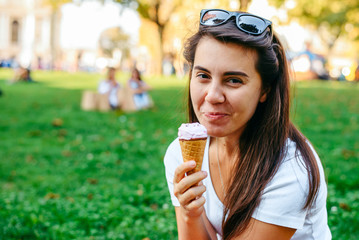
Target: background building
25, 31
36, 35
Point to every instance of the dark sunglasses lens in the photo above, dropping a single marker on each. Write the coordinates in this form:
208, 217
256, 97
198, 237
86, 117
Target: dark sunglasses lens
252, 24
214, 17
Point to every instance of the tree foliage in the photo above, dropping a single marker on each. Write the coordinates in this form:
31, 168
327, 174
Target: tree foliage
115, 39
333, 18
159, 12
156, 11
243, 5
56, 4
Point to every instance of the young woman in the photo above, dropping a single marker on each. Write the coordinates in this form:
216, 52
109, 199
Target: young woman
261, 178
140, 90
110, 87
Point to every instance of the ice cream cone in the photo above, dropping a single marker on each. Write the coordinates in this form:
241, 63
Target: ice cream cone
193, 149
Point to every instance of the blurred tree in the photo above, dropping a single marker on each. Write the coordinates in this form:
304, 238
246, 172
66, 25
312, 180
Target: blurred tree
114, 39
157, 11
332, 18
243, 5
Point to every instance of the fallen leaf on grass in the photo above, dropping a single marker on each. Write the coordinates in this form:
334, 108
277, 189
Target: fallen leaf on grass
90, 196
116, 142
154, 206
70, 199
348, 153
129, 138
66, 153
35, 133
92, 181
344, 206
51, 195
57, 122
62, 133
29, 158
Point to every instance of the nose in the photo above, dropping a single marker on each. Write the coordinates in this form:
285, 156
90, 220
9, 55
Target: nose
215, 93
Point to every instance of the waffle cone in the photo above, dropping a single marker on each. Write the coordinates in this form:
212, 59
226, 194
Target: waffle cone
193, 150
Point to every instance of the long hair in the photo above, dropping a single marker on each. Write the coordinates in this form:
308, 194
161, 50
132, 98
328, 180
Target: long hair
262, 145
137, 72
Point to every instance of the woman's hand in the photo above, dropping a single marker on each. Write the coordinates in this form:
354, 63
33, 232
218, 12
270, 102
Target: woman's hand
189, 190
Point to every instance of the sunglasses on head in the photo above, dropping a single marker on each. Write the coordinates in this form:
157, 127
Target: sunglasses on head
246, 22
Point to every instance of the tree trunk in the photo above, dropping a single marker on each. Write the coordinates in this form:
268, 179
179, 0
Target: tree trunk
243, 5
161, 53
160, 27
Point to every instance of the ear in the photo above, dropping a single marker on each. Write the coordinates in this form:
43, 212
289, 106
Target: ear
264, 94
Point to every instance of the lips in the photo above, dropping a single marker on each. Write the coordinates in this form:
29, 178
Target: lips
215, 115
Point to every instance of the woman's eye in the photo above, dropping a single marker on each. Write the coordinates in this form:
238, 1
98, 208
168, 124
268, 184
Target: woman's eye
202, 76
235, 81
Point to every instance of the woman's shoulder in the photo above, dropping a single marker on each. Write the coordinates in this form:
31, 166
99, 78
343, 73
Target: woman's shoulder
293, 155
285, 195
294, 170
293, 164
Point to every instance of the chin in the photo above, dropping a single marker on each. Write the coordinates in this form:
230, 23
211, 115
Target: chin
216, 132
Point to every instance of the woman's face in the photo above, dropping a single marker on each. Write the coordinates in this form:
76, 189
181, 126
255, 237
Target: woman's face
111, 74
225, 87
135, 75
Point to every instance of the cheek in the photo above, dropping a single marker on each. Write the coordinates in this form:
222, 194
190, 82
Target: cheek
193, 92
196, 95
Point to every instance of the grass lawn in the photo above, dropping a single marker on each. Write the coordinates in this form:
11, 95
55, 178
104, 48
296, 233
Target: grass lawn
70, 174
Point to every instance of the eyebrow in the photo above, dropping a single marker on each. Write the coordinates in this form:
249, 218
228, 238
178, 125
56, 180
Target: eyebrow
230, 73
201, 68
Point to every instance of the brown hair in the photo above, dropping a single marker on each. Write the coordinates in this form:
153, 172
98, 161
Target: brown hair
263, 142
135, 70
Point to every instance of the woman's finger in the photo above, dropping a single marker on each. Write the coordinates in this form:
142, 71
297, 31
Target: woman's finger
191, 194
181, 170
195, 204
188, 182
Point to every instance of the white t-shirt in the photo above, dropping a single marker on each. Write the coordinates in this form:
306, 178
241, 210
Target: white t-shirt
282, 200
141, 100
105, 87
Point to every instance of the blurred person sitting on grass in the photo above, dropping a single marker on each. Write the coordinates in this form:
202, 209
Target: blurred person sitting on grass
139, 90
110, 87
22, 74
261, 178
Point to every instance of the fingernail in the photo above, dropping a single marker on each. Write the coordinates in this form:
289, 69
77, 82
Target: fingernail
193, 163
205, 173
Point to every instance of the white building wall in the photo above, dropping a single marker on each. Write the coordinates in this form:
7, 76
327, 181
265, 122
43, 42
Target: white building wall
4, 30
27, 13
77, 32
46, 33
27, 40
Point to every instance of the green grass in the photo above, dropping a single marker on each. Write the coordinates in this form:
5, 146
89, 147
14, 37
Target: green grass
70, 174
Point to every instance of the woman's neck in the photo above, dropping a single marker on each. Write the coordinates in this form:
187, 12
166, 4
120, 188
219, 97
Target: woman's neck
227, 148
